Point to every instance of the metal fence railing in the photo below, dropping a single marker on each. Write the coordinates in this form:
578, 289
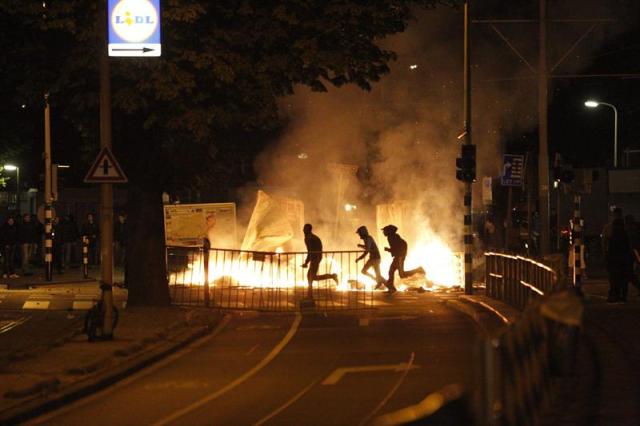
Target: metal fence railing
236, 279
517, 280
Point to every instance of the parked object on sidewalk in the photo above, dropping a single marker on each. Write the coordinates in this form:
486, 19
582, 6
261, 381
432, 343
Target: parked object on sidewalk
94, 322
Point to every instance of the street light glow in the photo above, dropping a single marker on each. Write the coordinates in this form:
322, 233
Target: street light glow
10, 167
591, 104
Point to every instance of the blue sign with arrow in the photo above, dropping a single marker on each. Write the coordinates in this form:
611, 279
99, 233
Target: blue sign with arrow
512, 170
134, 28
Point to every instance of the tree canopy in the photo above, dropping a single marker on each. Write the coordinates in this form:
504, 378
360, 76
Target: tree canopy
224, 65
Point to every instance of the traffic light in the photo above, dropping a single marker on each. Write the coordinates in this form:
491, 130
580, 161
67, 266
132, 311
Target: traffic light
466, 164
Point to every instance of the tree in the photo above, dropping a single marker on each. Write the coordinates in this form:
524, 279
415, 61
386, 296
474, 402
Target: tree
224, 65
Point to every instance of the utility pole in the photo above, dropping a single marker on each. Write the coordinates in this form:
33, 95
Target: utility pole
543, 73
106, 189
543, 142
468, 193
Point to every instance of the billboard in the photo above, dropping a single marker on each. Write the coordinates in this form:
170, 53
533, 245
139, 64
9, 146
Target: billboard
187, 225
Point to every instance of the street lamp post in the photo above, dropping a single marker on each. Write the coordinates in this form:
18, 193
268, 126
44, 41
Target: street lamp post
11, 167
595, 104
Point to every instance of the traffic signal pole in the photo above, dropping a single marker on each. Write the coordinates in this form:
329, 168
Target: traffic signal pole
468, 218
48, 236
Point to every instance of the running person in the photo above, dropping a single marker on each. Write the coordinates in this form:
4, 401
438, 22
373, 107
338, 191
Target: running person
371, 248
314, 257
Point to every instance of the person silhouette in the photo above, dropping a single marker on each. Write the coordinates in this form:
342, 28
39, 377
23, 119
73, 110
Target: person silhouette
314, 257
398, 249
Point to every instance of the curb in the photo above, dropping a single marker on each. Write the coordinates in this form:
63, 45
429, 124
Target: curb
38, 406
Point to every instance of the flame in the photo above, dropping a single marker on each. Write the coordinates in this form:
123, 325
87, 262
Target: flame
443, 269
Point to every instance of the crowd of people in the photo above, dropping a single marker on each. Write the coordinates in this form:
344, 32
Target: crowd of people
397, 248
22, 241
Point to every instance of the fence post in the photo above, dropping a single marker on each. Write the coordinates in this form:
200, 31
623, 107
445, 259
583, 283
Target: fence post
206, 246
85, 256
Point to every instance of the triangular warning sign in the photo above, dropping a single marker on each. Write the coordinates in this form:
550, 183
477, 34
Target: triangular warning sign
105, 169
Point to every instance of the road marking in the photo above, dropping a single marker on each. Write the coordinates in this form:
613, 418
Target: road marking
258, 327
10, 325
100, 395
274, 352
36, 304
252, 349
391, 392
286, 404
338, 373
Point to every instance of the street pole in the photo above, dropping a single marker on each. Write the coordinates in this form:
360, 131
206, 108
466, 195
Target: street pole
48, 240
106, 189
468, 213
543, 155
18, 191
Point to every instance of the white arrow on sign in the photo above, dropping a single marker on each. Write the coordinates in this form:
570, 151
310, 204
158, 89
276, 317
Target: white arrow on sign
338, 373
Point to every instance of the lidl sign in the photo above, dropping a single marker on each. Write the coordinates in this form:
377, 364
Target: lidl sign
134, 28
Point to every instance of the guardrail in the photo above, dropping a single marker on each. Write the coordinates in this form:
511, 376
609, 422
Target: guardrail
517, 366
517, 280
236, 279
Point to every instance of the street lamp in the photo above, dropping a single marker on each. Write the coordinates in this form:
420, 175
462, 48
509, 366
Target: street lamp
11, 167
595, 104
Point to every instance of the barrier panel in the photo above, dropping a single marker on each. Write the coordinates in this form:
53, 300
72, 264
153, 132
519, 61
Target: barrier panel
236, 279
518, 280
517, 366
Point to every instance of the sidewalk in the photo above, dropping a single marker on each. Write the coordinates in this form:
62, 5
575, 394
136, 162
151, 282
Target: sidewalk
70, 367
605, 389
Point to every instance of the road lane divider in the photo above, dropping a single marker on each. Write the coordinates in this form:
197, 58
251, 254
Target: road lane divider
265, 361
339, 373
392, 392
287, 404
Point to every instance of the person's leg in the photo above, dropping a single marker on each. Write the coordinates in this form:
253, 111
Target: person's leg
311, 276
365, 269
376, 268
405, 274
25, 257
392, 272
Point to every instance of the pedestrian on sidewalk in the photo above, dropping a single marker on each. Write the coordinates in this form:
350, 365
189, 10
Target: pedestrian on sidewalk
58, 243
371, 248
28, 238
619, 260
633, 231
398, 249
9, 240
92, 232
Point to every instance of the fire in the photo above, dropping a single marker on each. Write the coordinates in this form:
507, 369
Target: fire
284, 270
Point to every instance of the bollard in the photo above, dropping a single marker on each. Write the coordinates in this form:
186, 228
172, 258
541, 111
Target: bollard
85, 256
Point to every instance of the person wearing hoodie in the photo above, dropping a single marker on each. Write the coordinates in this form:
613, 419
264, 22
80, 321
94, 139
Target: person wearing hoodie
398, 249
371, 248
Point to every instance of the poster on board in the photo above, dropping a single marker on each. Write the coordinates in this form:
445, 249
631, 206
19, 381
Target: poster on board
186, 225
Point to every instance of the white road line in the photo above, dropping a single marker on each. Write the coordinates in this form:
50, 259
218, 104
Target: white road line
99, 396
13, 324
274, 352
250, 351
391, 392
339, 373
286, 404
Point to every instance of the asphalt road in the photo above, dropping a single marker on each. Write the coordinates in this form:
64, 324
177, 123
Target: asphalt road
334, 369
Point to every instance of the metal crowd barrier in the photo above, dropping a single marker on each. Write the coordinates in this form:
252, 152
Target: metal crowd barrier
517, 280
517, 367
266, 281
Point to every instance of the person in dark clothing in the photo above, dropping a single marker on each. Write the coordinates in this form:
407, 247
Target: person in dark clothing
92, 232
314, 257
9, 239
58, 243
371, 248
398, 249
120, 238
619, 260
28, 238
70, 240
631, 226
